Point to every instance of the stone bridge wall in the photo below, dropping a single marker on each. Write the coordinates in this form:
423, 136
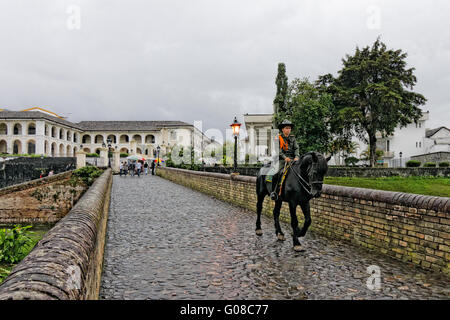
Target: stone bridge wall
412, 228
44, 200
67, 262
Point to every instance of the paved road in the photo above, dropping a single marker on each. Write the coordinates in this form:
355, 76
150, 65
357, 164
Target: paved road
165, 241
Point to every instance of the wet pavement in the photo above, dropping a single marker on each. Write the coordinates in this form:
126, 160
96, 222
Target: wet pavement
166, 241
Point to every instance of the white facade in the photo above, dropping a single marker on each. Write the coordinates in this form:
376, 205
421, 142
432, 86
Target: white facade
52, 138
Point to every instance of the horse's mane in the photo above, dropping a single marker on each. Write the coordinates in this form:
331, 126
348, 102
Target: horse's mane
322, 162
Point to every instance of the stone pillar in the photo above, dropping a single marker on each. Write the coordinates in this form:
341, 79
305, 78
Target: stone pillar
81, 159
115, 164
103, 157
133, 147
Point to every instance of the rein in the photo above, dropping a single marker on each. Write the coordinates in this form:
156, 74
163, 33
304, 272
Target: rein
303, 182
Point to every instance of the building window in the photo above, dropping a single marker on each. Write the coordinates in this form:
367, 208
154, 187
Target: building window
173, 135
387, 145
417, 144
420, 144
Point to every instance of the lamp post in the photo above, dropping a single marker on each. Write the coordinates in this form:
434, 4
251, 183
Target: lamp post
235, 126
109, 141
400, 158
158, 148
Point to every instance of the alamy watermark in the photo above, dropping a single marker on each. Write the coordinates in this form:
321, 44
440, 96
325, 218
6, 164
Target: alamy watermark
374, 281
73, 21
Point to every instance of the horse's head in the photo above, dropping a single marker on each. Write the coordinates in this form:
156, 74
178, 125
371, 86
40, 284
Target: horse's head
313, 165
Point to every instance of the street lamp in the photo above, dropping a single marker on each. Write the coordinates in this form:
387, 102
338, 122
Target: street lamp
400, 158
158, 148
109, 141
235, 126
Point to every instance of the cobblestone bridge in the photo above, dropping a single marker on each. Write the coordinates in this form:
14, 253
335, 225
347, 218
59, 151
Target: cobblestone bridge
165, 241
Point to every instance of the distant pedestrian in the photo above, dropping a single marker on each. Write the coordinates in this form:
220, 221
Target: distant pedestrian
138, 168
125, 168
51, 173
121, 169
153, 168
132, 168
146, 167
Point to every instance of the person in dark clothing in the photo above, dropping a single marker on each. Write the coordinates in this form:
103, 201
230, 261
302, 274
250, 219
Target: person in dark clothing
153, 168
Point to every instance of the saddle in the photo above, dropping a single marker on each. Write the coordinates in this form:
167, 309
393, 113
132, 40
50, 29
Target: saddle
279, 177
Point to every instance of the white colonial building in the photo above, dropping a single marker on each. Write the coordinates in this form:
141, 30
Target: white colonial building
38, 131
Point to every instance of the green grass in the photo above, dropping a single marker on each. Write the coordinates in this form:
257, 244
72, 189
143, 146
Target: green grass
419, 185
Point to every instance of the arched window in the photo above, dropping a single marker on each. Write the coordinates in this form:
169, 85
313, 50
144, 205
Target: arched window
113, 138
31, 129
46, 130
150, 138
3, 129
86, 139
61, 150
137, 138
3, 146
124, 138
68, 137
17, 147
31, 148
75, 137
53, 132
17, 129
53, 151
98, 139
61, 134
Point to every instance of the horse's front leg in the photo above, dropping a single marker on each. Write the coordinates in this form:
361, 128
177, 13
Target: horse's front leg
294, 225
276, 217
307, 214
259, 206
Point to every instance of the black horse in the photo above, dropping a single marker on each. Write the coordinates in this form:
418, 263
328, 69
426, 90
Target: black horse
303, 182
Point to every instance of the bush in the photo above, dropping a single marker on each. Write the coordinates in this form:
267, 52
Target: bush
87, 174
413, 163
15, 244
124, 155
444, 164
92, 155
351, 161
429, 164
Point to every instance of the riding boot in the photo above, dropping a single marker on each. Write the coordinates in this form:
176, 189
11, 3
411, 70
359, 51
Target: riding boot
274, 185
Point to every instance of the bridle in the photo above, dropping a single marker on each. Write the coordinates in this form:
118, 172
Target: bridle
305, 184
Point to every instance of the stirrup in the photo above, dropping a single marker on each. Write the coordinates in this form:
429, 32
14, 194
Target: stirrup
274, 196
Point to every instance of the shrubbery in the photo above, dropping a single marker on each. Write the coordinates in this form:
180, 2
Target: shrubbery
15, 244
413, 163
124, 155
444, 164
429, 164
92, 155
87, 174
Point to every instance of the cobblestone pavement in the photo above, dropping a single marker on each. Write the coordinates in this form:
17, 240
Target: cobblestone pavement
166, 241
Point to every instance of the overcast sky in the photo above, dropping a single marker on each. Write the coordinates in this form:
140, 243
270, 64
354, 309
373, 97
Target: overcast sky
203, 60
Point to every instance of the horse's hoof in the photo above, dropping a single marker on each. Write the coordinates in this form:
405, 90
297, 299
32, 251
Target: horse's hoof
298, 248
281, 237
259, 232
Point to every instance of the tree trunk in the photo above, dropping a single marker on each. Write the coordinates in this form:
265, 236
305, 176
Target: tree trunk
372, 148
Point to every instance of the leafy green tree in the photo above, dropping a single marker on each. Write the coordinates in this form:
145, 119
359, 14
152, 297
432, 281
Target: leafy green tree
310, 114
373, 93
279, 103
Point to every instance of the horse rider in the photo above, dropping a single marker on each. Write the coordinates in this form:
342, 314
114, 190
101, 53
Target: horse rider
288, 151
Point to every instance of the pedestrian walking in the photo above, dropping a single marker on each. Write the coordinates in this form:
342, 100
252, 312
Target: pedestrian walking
146, 167
132, 168
153, 168
125, 168
138, 168
121, 169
